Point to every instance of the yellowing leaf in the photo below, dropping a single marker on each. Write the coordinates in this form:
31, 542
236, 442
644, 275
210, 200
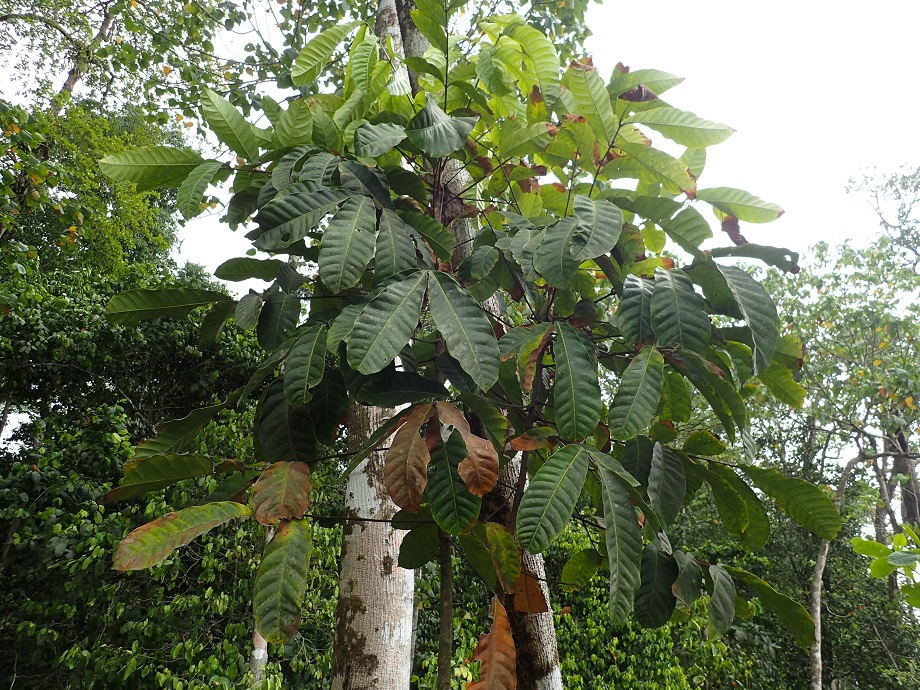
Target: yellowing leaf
909, 402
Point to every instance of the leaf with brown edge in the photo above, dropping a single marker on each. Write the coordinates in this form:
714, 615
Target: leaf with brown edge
533, 439
479, 469
283, 491
405, 471
528, 594
497, 654
151, 543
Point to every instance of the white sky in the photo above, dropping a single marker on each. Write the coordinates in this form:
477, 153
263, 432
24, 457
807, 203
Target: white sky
816, 91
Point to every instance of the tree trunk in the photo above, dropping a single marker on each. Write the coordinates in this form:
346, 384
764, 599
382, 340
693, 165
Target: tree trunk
373, 630
816, 669
81, 63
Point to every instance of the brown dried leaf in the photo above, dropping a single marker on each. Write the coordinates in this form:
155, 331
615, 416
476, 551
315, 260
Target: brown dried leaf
533, 439
479, 469
283, 491
732, 228
497, 654
528, 595
405, 470
638, 94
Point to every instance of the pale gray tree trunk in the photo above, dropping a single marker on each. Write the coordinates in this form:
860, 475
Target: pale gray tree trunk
373, 630
816, 670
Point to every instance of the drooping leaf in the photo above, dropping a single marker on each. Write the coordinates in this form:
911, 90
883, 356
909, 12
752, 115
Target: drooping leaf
637, 396
375, 140
294, 126
132, 306
690, 580
305, 364
576, 391
437, 134
740, 204
405, 471
544, 58
600, 222
554, 256
527, 140
385, 325
757, 531
529, 596
655, 599
151, 543
807, 504
278, 319
505, 553
284, 432
466, 329
497, 654
193, 187
675, 397
623, 538
229, 125
492, 73
782, 385
244, 267
176, 436
246, 314
784, 259
395, 252
282, 492
491, 417
758, 310
721, 602
454, 508
684, 127
479, 469
479, 264
550, 498
311, 60
678, 315
382, 432
348, 244
143, 474
212, 325
703, 442
419, 546
790, 613
288, 218
391, 387
281, 581
150, 167
328, 406
661, 167
634, 314
666, 483
592, 101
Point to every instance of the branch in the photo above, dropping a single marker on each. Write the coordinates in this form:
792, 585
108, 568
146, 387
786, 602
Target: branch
47, 21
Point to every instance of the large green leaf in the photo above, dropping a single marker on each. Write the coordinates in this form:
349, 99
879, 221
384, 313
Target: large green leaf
288, 218
543, 57
278, 319
580, 569
576, 390
721, 395
807, 504
675, 398
375, 140
282, 492
438, 237
790, 613
245, 267
305, 364
721, 602
666, 484
348, 244
758, 310
740, 204
687, 228
131, 306
312, 59
690, 580
634, 316
385, 325
454, 508
659, 166
554, 257
782, 385
395, 252
151, 543
592, 101
229, 125
550, 498
431, 20
655, 599
678, 314
283, 431
527, 140
600, 222
294, 126
150, 167
637, 396
328, 406
505, 553
492, 73
684, 127
193, 187
281, 581
437, 134
623, 538
143, 474
757, 531
466, 329
176, 436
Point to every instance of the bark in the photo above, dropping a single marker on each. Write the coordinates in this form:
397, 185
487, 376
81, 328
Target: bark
816, 669
373, 634
81, 63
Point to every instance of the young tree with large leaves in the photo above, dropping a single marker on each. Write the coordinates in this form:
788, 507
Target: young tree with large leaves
571, 208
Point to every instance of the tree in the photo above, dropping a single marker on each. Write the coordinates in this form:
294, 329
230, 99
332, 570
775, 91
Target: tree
355, 182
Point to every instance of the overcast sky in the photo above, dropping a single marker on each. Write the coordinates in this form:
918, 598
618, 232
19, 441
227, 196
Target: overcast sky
817, 93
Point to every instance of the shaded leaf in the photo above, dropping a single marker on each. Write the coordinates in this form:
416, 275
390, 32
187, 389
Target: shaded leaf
666, 483
437, 134
193, 187
655, 599
678, 315
721, 602
637, 396
791, 614
479, 469
281, 581
143, 474
576, 391
580, 569
305, 364
131, 306
623, 538
807, 504
454, 508
244, 267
